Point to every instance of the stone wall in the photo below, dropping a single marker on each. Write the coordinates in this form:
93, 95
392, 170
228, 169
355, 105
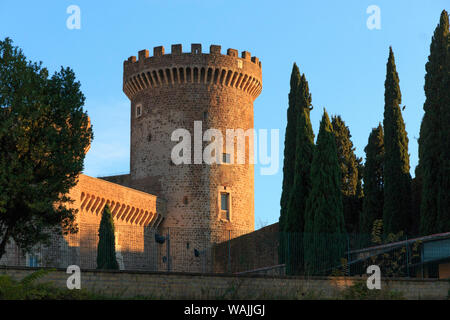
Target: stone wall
248, 252
136, 217
196, 286
171, 91
122, 179
128, 206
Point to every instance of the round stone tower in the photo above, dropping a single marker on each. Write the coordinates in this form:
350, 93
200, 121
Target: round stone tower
194, 91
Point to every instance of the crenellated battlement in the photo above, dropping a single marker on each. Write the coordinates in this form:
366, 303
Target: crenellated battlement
196, 48
194, 67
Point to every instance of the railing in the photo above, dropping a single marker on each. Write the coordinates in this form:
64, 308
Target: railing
264, 251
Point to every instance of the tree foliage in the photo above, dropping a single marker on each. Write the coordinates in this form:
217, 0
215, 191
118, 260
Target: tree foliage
106, 250
324, 217
397, 179
373, 180
416, 198
395, 261
304, 154
350, 176
444, 136
290, 145
295, 220
44, 134
434, 145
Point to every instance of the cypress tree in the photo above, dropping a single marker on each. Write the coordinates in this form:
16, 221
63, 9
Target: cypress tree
304, 153
373, 181
289, 158
432, 132
359, 197
397, 179
444, 135
324, 220
348, 163
416, 198
106, 250
302, 180
290, 145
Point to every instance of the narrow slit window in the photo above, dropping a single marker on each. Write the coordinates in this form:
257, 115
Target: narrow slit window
225, 205
226, 158
224, 201
138, 110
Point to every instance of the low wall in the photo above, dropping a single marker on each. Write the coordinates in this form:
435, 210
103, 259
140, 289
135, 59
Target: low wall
254, 250
122, 179
159, 285
136, 215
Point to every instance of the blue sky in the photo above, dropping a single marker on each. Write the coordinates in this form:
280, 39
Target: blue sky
344, 62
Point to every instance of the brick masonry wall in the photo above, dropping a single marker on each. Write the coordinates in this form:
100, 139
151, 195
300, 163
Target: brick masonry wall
122, 179
251, 251
128, 206
195, 286
174, 90
136, 215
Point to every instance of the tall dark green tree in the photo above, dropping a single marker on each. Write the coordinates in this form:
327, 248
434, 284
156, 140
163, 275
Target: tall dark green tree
304, 151
324, 220
434, 135
350, 177
359, 197
290, 145
106, 250
373, 181
302, 179
397, 179
444, 138
289, 159
416, 198
44, 133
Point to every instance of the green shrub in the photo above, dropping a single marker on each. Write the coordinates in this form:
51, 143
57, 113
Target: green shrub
359, 291
27, 289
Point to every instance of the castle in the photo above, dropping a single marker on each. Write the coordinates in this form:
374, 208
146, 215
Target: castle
191, 205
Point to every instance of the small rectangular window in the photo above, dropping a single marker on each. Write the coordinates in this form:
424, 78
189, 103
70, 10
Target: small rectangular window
226, 158
32, 260
224, 201
138, 110
225, 205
